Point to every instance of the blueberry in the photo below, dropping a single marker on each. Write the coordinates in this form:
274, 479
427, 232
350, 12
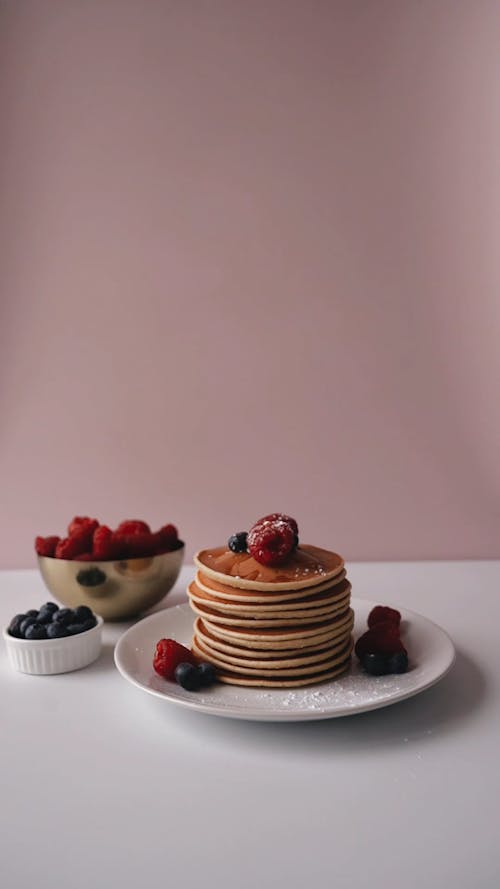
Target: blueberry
64, 616
32, 612
23, 626
207, 674
188, 676
45, 615
50, 606
376, 664
74, 629
56, 630
237, 543
83, 612
89, 624
15, 626
35, 631
398, 663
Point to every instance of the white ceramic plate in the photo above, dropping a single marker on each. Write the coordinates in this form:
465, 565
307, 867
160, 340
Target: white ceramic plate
430, 650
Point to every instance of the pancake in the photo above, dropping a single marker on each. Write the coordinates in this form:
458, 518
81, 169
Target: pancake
329, 662
281, 638
275, 662
305, 567
314, 598
314, 604
233, 594
268, 620
234, 679
279, 626
303, 646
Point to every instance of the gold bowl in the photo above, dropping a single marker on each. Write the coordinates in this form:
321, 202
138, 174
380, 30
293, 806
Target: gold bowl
115, 590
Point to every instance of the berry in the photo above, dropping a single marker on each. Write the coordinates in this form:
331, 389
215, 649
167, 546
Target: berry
383, 638
89, 624
56, 630
84, 531
70, 547
281, 517
83, 612
25, 624
188, 676
35, 631
64, 616
270, 541
237, 543
46, 546
168, 655
46, 613
104, 544
14, 628
132, 526
169, 534
74, 629
382, 614
82, 523
398, 663
207, 674
375, 664
52, 622
137, 546
85, 557
166, 540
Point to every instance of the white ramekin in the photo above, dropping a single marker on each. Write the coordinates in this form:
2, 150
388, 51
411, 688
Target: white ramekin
42, 657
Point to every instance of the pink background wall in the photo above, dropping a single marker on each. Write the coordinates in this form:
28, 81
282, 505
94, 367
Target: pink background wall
249, 260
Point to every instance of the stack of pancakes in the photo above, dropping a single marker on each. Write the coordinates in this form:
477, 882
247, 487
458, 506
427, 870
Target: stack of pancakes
272, 627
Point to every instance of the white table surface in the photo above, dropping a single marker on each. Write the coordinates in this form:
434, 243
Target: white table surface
105, 786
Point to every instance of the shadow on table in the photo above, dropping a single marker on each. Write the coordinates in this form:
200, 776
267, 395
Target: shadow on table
105, 662
437, 711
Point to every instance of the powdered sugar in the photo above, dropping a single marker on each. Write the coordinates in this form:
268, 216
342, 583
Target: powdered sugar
354, 691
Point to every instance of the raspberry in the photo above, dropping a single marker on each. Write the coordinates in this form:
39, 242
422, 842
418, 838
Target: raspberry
138, 545
169, 534
82, 523
132, 526
168, 655
382, 614
70, 547
270, 541
280, 516
85, 557
383, 638
165, 540
46, 546
104, 546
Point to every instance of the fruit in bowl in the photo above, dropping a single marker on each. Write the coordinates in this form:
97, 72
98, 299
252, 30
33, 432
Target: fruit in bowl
50, 639
117, 573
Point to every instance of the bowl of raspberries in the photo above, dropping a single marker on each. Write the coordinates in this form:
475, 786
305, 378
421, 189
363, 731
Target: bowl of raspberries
118, 573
